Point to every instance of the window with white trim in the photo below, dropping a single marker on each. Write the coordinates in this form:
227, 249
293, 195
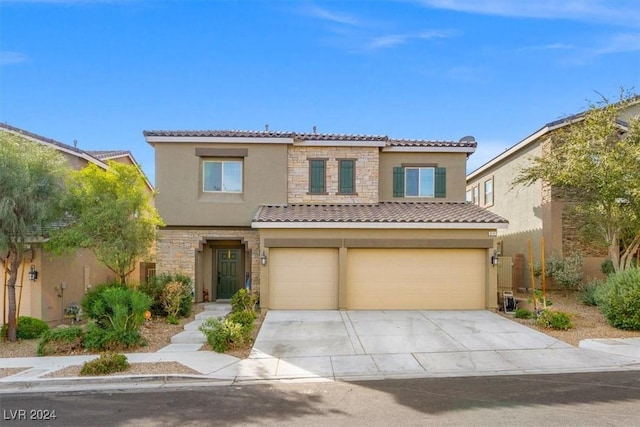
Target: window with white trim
488, 192
222, 176
419, 182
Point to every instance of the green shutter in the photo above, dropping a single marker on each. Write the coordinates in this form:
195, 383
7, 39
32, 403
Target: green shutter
441, 183
398, 182
346, 177
316, 176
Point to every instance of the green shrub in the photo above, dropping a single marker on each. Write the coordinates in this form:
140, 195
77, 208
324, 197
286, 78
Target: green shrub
30, 327
221, 335
95, 293
172, 297
60, 340
619, 299
588, 293
523, 313
245, 319
565, 272
118, 308
243, 301
155, 286
554, 319
117, 313
107, 363
607, 267
97, 338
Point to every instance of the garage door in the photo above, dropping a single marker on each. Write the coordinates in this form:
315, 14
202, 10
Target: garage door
303, 278
435, 279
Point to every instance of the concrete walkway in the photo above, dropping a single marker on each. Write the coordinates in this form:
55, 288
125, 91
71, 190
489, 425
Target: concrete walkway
349, 345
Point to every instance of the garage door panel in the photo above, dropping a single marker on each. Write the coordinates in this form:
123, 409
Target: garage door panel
303, 278
415, 279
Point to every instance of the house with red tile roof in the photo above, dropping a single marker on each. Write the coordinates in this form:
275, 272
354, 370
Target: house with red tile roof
324, 221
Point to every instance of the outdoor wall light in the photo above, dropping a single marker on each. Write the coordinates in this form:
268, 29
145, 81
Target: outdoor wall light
263, 259
494, 258
33, 274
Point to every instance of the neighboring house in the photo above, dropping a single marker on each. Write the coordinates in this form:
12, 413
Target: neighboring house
323, 221
537, 211
62, 280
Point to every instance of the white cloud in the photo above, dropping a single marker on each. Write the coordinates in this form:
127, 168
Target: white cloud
623, 12
10, 58
333, 17
619, 43
550, 46
393, 40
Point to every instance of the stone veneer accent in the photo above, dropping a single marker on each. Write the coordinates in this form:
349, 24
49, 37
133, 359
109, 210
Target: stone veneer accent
367, 161
176, 250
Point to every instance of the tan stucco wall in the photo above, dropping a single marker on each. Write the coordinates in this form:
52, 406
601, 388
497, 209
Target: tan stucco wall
181, 201
366, 174
520, 205
185, 251
339, 235
454, 162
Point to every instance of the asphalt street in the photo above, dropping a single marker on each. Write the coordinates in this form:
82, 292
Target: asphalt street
606, 398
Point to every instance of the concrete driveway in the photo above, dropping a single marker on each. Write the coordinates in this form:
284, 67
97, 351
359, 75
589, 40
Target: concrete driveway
345, 344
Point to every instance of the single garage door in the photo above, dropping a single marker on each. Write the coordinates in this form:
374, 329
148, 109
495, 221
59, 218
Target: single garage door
410, 279
303, 278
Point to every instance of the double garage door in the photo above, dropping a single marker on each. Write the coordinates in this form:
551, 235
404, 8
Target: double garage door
378, 279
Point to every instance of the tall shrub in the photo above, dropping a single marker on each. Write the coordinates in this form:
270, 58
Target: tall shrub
619, 299
155, 287
118, 314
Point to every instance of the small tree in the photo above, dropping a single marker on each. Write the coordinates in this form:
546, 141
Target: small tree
110, 212
31, 188
595, 162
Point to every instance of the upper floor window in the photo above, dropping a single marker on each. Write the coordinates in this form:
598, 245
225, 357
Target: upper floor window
317, 176
419, 181
469, 196
224, 176
476, 195
488, 192
346, 176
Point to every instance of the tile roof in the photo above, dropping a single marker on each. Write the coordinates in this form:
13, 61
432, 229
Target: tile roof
464, 142
40, 138
383, 212
104, 155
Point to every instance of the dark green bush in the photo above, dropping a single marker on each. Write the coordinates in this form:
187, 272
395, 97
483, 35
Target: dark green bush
60, 340
107, 363
554, 319
619, 299
221, 335
523, 313
607, 267
589, 291
97, 338
95, 293
155, 286
30, 327
243, 301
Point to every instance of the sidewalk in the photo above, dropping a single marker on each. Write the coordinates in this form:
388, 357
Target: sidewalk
538, 354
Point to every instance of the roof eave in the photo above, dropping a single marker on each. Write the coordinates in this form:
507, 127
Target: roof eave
380, 225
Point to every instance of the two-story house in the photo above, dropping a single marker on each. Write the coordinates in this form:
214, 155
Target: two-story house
62, 280
323, 221
538, 212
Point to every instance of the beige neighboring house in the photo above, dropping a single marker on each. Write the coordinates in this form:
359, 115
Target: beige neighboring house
324, 221
537, 211
62, 280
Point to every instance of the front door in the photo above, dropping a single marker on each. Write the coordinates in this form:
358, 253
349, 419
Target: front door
228, 267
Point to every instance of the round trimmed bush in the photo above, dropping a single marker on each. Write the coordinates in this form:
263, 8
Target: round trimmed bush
30, 327
619, 299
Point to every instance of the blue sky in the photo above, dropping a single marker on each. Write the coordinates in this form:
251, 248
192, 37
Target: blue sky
102, 71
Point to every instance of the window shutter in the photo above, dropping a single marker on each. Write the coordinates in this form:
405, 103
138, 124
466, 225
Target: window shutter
398, 182
441, 183
316, 184
346, 177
